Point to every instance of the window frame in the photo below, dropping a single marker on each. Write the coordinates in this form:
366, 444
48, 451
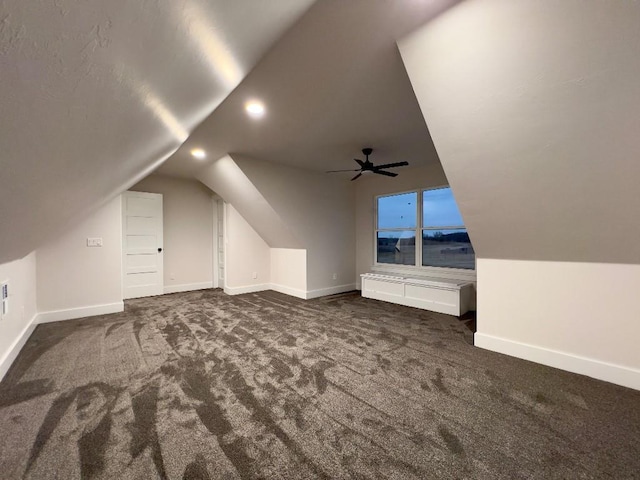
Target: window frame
419, 228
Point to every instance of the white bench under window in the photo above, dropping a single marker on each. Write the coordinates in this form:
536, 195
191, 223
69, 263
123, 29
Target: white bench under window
442, 295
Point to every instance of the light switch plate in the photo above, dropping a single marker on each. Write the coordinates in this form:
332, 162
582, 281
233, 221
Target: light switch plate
4, 299
94, 242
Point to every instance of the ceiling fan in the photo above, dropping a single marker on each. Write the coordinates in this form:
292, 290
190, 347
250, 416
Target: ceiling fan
367, 166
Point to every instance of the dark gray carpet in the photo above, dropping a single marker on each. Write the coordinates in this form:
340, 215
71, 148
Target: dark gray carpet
206, 386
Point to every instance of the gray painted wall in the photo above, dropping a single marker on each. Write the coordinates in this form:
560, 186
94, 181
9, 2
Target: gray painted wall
534, 109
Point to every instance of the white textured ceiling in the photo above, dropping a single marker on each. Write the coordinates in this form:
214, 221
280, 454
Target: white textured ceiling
95, 94
333, 84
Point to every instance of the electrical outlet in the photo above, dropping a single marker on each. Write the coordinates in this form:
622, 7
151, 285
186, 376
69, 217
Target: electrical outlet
335, 276
254, 275
94, 242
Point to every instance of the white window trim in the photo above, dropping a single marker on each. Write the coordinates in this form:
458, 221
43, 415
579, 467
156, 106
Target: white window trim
418, 269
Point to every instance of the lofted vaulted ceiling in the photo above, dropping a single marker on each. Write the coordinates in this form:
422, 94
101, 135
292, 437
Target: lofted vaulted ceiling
95, 95
333, 84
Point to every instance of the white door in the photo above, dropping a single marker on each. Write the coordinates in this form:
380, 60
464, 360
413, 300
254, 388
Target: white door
142, 244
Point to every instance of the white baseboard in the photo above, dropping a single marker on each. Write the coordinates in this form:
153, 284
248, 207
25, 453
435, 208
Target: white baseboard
609, 372
72, 313
9, 357
294, 292
187, 287
322, 292
247, 289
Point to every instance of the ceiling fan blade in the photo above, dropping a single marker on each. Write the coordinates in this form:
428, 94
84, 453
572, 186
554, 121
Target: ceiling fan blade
360, 162
392, 165
356, 176
388, 174
350, 170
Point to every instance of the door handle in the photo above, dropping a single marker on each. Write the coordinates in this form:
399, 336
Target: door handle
159, 249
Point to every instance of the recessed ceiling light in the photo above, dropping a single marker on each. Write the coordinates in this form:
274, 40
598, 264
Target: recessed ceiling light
198, 153
255, 108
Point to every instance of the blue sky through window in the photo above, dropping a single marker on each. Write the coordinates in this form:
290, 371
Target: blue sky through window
398, 211
439, 209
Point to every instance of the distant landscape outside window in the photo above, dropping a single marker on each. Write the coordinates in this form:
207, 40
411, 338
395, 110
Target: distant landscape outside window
396, 228
447, 248
397, 247
440, 240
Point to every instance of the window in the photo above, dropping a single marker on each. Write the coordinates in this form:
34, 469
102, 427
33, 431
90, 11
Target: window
439, 240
